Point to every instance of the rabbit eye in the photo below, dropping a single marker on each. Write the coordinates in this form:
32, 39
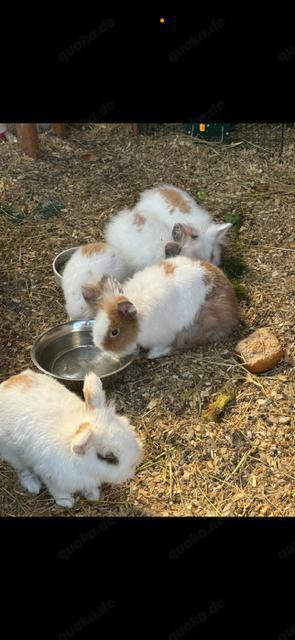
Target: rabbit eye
115, 333
194, 236
109, 457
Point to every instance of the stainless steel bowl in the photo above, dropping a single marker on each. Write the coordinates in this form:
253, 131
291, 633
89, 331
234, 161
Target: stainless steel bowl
66, 352
59, 263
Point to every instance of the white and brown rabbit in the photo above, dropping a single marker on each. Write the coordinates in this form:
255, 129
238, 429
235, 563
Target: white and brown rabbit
49, 435
177, 303
161, 215
84, 275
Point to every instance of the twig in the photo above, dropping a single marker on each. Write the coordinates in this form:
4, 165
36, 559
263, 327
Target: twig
233, 144
274, 471
209, 144
208, 500
149, 411
248, 504
277, 248
152, 462
243, 458
275, 507
205, 496
171, 480
255, 145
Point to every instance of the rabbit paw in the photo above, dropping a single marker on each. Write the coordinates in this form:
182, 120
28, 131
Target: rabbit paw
66, 501
92, 495
29, 481
158, 352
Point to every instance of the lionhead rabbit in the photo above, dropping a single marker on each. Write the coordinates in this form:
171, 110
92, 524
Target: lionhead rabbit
161, 215
84, 275
48, 434
177, 303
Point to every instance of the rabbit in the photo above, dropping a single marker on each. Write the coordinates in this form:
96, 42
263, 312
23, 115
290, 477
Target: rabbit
161, 215
175, 207
84, 274
141, 241
49, 435
174, 304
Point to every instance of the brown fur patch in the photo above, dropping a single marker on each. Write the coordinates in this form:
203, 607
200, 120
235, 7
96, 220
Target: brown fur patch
138, 220
168, 267
128, 325
219, 314
87, 398
214, 274
82, 427
23, 379
175, 200
94, 247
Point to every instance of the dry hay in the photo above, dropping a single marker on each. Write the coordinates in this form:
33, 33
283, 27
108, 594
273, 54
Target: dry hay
240, 465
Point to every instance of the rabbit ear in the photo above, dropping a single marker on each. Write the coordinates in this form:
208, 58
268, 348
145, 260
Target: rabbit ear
91, 292
219, 231
93, 392
181, 232
82, 439
111, 286
108, 457
126, 308
178, 232
172, 249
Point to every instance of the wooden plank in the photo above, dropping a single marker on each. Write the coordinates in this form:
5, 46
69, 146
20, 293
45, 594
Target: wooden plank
59, 129
28, 139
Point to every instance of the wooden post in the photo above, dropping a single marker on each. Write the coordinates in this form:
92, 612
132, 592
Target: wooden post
59, 129
28, 139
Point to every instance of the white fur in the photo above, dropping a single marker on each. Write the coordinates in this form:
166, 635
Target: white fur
82, 270
165, 304
38, 437
143, 245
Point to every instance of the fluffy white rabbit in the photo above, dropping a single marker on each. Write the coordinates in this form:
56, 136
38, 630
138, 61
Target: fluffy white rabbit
140, 240
49, 435
162, 214
177, 303
84, 275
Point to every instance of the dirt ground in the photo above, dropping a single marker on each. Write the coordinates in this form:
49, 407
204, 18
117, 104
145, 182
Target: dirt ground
240, 465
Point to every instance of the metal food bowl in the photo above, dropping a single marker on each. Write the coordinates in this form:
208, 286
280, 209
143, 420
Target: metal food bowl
66, 352
59, 263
